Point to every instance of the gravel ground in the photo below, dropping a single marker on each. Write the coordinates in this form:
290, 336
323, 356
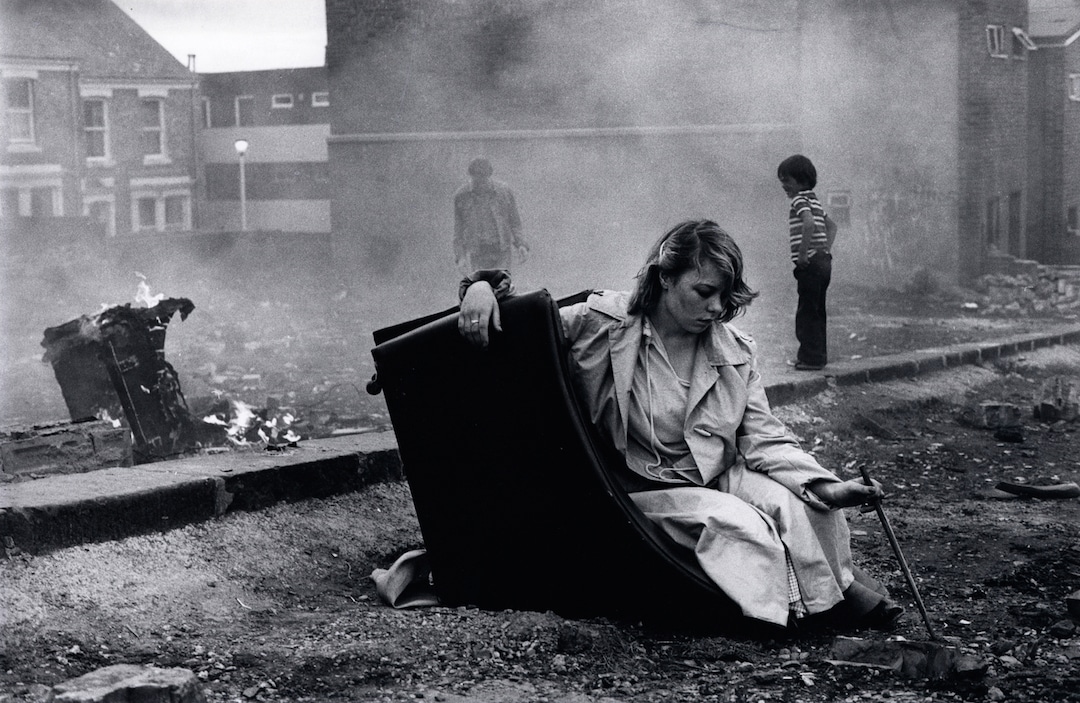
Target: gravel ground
277, 605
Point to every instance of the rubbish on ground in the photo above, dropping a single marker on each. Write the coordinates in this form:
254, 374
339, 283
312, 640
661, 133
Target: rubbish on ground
1072, 604
1058, 400
991, 415
113, 363
922, 660
1053, 492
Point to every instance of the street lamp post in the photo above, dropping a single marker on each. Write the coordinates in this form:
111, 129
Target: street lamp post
241, 149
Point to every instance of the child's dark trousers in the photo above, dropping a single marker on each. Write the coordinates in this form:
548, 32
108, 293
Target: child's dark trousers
810, 321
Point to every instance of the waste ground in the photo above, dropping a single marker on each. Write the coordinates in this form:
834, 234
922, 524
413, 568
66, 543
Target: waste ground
277, 605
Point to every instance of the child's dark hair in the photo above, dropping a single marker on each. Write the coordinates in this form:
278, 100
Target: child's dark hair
799, 168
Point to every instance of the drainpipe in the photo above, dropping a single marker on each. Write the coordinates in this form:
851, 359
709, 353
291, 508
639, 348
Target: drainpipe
195, 123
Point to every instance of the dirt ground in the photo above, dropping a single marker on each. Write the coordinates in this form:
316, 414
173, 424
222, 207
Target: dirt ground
278, 605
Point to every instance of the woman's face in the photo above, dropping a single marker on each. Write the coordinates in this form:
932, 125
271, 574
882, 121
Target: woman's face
695, 299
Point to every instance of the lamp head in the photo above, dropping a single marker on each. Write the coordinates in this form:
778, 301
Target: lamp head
241, 146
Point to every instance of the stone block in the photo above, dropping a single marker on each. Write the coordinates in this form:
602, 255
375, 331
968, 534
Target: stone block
131, 682
65, 448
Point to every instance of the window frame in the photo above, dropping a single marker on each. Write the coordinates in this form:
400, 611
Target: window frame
236, 110
1072, 220
207, 122
323, 101
1021, 40
27, 111
995, 41
1073, 87
160, 199
103, 129
144, 129
836, 202
282, 101
110, 202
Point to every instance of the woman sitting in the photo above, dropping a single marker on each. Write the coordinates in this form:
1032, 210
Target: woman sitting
676, 389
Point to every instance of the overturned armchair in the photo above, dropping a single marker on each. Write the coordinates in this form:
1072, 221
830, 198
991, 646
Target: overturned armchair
615, 454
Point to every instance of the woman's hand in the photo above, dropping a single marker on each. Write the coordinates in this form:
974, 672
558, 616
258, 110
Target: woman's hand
479, 312
846, 494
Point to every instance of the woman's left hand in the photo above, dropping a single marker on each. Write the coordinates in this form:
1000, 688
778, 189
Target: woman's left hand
846, 494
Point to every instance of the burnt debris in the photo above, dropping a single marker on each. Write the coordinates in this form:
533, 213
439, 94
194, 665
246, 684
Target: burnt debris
112, 365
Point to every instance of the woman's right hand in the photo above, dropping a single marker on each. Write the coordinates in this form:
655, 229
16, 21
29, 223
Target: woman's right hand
479, 313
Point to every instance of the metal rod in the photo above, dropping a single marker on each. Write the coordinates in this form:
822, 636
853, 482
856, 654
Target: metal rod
900, 557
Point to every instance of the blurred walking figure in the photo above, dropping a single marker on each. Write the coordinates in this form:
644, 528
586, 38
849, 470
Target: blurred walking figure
810, 235
487, 227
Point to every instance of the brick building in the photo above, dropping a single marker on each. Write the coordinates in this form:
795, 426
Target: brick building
284, 115
1055, 130
99, 121
919, 121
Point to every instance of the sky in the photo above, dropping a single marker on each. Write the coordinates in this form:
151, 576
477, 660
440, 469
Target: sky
236, 35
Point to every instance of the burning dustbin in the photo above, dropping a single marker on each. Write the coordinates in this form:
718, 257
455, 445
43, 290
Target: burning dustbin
112, 364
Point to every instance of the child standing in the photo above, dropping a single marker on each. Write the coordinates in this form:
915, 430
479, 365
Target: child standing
811, 234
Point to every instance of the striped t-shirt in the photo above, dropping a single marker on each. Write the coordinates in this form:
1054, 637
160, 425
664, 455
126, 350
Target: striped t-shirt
819, 241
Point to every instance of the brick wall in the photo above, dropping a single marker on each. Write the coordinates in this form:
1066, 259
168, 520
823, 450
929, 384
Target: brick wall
1071, 138
993, 129
1046, 146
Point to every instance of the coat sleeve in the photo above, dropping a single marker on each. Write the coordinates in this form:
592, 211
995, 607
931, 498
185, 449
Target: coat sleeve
768, 446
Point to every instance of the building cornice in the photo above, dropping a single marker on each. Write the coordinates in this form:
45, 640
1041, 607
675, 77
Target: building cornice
580, 132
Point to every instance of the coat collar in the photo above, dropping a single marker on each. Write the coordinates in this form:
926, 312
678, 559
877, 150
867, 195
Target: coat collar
726, 346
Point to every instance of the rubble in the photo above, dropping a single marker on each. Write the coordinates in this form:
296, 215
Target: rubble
1033, 289
923, 660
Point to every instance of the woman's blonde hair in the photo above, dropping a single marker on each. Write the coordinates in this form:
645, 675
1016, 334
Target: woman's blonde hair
686, 246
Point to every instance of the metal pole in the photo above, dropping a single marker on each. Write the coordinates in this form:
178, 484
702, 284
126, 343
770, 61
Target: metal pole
243, 196
900, 557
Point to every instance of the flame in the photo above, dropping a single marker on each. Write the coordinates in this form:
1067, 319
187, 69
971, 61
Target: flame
103, 414
142, 295
248, 425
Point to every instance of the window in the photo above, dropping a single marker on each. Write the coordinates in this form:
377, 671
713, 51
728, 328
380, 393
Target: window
282, 100
147, 213
320, 99
838, 204
153, 128
96, 129
101, 210
206, 113
175, 208
19, 109
1021, 43
245, 111
9, 202
992, 233
995, 40
161, 212
1072, 220
1074, 87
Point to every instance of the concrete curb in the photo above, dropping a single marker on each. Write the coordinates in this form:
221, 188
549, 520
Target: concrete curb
70, 509
798, 385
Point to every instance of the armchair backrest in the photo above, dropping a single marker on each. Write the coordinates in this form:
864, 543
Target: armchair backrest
516, 494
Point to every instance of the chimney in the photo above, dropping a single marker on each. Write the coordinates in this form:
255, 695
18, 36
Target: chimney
191, 62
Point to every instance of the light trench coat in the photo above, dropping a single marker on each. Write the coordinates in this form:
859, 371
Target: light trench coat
748, 508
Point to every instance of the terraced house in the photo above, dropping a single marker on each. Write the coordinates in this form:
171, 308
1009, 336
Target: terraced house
99, 123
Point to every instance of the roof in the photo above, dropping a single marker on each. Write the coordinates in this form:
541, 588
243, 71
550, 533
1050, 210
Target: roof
1050, 20
95, 34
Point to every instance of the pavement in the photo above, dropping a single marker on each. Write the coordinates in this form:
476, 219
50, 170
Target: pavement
64, 510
